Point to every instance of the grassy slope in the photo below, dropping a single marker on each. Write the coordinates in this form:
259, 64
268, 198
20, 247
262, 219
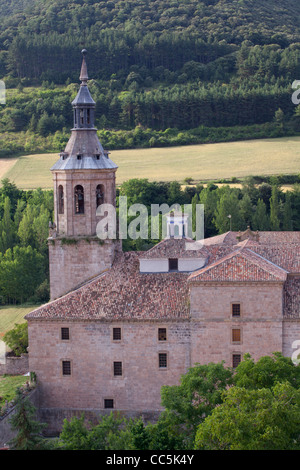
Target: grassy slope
202, 162
9, 315
8, 386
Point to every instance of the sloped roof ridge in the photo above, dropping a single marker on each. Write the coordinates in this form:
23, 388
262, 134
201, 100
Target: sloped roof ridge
267, 260
243, 251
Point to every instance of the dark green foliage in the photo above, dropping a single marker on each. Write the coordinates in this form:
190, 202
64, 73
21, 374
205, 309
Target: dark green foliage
160, 69
17, 339
260, 412
266, 372
188, 404
24, 228
29, 430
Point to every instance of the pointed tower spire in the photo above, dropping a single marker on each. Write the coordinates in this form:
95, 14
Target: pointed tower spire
83, 72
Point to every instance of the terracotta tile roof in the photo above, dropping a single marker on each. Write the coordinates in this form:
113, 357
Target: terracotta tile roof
228, 238
287, 256
279, 238
176, 248
239, 266
123, 293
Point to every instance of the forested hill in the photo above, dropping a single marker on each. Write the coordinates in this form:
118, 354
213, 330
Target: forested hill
156, 64
39, 34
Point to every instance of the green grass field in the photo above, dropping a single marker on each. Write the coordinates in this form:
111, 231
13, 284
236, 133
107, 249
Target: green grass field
201, 162
8, 387
9, 315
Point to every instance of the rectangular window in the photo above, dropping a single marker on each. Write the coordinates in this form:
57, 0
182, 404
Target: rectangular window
162, 334
162, 360
108, 403
236, 310
66, 367
173, 264
65, 333
117, 368
116, 334
236, 335
236, 359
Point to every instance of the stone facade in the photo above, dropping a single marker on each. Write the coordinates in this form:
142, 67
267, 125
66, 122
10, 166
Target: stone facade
92, 352
73, 261
68, 222
260, 322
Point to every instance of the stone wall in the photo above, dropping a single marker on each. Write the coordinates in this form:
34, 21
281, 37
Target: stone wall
54, 417
260, 322
74, 261
92, 352
14, 365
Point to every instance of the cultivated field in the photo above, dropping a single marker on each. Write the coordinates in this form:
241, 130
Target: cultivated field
5, 165
9, 315
201, 162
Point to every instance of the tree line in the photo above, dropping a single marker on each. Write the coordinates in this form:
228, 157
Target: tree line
24, 226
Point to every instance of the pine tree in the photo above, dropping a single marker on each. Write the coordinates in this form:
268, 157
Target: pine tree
29, 431
6, 228
274, 209
260, 219
287, 223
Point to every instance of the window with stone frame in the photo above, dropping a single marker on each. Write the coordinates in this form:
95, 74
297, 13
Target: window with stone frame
236, 309
236, 335
162, 360
173, 264
118, 368
162, 334
66, 367
117, 334
108, 403
236, 359
65, 333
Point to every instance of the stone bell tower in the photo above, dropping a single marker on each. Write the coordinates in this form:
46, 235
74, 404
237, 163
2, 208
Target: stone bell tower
84, 178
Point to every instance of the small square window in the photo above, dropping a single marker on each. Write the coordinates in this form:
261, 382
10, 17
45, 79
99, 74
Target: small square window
236, 359
162, 334
65, 333
66, 367
108, 403
236, 310
236, 335
173, 264
117, 334
162, 360
117, 368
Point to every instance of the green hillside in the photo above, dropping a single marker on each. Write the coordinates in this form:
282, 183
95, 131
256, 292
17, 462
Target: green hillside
161, 65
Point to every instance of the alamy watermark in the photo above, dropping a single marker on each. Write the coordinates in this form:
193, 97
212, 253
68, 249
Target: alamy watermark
2, 92
296, 94
162, 222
